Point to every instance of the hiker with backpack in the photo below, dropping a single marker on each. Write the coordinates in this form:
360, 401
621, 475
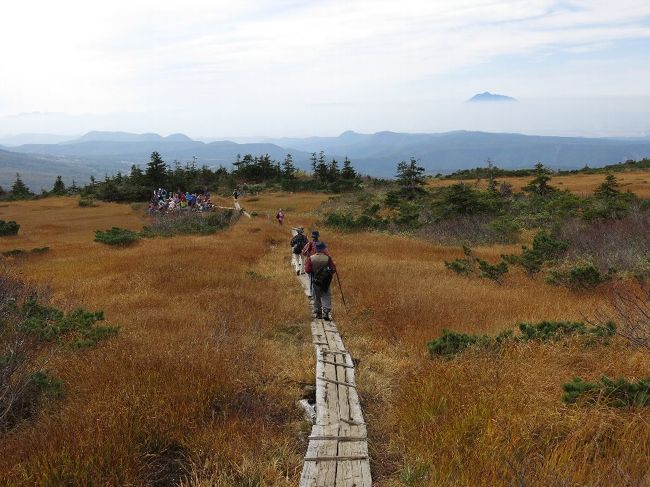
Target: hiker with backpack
321, 268
310, 248
297, 244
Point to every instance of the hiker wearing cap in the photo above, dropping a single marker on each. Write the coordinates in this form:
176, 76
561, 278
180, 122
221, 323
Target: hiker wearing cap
297, 244
321, 269
310, 248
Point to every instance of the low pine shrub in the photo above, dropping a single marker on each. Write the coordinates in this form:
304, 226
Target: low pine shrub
545, 249
32, 331
190, 223
87, 202
116, 236
504, 230
556, 330
22, 252
493, 272
576, 277
79, 326
8, 228
616, 393
452, 343
460, 266
14, 253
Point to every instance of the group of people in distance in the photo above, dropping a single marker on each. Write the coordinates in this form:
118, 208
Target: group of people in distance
311, 257
163, 201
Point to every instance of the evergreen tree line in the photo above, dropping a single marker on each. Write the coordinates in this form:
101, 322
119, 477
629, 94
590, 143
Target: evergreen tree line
248, 172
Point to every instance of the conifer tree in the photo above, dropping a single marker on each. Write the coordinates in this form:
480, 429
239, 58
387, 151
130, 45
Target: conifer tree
19, 190
539, 185
608, 190
59, 187
156, 173
410, 177
314, 163
348, 173
333, 172
288, 169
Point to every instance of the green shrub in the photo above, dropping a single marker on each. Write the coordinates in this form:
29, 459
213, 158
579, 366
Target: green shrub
546, 248
556, 330
504, 230
87, 202
14, 253
190, 223
116, 236
462, 267
576, 277
22, 252
452, 343
44, 384
8, 228
616, 393
494, 272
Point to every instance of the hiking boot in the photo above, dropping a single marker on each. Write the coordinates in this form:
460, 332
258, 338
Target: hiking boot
327, 316
316, 316
297, 273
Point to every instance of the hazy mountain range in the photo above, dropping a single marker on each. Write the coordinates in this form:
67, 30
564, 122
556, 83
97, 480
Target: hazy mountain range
100, 153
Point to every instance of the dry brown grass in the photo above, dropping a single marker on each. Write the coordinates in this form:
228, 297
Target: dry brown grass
205, 372
637, 182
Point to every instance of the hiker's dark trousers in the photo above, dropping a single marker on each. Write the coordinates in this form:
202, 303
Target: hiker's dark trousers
322, 300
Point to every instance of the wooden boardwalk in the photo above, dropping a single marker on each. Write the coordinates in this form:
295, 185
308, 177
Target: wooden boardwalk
337, 454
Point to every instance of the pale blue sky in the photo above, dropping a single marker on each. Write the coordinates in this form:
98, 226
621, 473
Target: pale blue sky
269, 67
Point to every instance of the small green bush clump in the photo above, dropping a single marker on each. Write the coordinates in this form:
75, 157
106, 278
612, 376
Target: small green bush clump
22, 252
47, 323
470, 264
14, 253
452, 343
493, 272
576, 277
546, 248
8, 228
87, 202
615, 393
190, 224
556, 330
116, 236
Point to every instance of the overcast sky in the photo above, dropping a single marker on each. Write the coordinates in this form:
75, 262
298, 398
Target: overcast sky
217, 68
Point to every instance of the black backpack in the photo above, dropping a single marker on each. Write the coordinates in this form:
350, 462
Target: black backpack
323, 278
299, 243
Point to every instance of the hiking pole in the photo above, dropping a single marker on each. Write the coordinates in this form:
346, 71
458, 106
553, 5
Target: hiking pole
338, 279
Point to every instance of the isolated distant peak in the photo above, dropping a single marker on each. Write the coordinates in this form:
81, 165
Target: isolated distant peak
487, 96
178, 138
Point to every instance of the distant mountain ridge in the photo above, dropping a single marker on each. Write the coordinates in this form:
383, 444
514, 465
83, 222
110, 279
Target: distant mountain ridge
490, 97
375, 154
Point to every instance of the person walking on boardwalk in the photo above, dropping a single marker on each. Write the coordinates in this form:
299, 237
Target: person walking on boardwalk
297, 244
310, 248
321, 268
280, 216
